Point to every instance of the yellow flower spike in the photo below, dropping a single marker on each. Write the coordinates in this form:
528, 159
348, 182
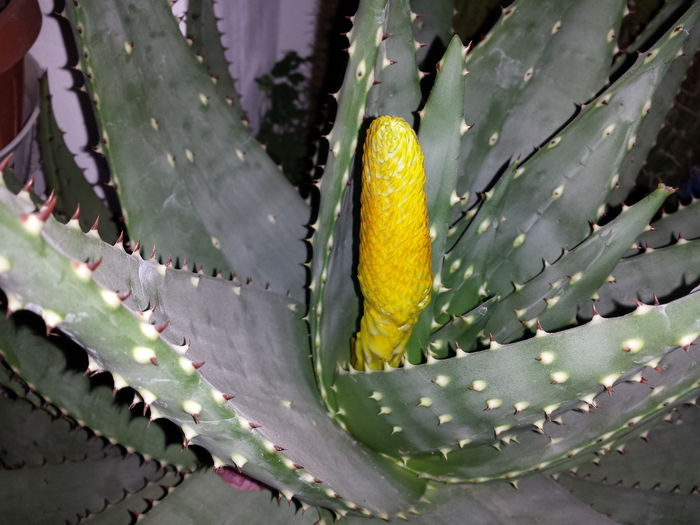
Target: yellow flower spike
395, 260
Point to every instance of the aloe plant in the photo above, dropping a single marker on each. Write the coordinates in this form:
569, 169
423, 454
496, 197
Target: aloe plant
548, 345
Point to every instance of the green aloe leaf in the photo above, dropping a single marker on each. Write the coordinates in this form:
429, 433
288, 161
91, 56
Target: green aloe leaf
190, 372
661, 273
647, 479
204, 498
65, 178
446, 412
366, 34
663, 105
396, 89
552, 297
136, 503
533, 67
535, 211
203, 33
65, 474
657, 459
432, 24
441, 128
174, 193
43, 365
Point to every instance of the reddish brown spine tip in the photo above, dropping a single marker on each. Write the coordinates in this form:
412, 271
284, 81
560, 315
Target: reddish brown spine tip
154, 361
47, 208
159, 328
254, 425
29, 185
95, 225
94, 265
198, 364
120, 239
76, 213
124, 296
228, 397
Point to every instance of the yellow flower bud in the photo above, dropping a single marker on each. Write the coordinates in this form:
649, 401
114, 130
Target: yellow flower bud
395, 261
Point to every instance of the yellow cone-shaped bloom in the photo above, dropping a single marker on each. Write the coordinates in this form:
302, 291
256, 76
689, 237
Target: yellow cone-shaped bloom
394, 267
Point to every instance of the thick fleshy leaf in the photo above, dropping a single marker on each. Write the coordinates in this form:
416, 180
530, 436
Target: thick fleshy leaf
64, 473
440, 130
432, 25
203, 32
396, 89
684, 222
122, 512
454, 407
566, 436
663, 273
65, 178
52, 440
199, 203
657, 460
527, 75
667, 112
211, 361
204, 498
43, 365
365, 37
535, 211
552, 297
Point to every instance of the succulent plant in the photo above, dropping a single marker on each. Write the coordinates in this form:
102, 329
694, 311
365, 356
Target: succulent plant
548, 348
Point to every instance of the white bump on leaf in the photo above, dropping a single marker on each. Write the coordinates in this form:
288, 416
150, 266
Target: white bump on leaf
425, 402
444, 418
687, 339
554, 142
377, 396
186, 365
149, 331
111, 298
191, 406
147, 396
143, 354
5, 264
546, 358
559, 376
442, 381
609, 380
479, 385
493, 403
239, 460
51, 318
33, 224
632, 345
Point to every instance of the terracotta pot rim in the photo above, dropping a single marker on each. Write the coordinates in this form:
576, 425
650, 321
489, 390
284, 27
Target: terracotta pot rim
20, 23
